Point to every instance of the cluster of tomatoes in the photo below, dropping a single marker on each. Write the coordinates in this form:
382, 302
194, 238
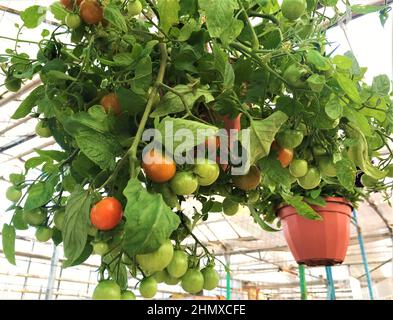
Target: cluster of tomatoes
166, 265
91, 12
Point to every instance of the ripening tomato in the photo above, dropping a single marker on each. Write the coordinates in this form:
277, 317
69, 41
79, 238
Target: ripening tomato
158, 167
249, 181
285, 156
91, 12
106, 214
111, 102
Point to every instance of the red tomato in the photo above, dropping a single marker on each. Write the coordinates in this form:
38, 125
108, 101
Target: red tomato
91, 12
106, 214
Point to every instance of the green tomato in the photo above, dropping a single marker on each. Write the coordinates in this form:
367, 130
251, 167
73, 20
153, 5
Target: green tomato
294, 76
13, 84
207, 172
368, 182
229, 207
148, 288
290, 139
134, 8
18, 220
311, 180
178, 265
293, 9
59, 218
169, 280
184, 183
127, 295
73, 21
192, 282
160, 276
319, 151
157, 260
253, 196
35, 217
107, 290
100, 248
13, 194
43, 234
211, 278
298, 168
327, 167
42, 130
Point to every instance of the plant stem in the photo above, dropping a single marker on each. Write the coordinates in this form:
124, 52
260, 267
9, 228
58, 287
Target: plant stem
149, 107
264, 16
255, 40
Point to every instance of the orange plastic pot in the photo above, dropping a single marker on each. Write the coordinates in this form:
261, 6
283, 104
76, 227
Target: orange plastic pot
318, 242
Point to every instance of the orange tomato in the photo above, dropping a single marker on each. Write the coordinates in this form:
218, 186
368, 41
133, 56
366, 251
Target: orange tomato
285, 156
249, 181
111, 101
158, 167
67, 4
91, 12
106, 214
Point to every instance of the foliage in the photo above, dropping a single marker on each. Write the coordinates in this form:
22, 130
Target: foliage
198, 65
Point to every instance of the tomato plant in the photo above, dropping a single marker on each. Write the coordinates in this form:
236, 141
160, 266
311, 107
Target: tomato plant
128, 105
106, 214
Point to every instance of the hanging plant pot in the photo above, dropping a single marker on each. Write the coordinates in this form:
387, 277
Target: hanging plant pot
318, 242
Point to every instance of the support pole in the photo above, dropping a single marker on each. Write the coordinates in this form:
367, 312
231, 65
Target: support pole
364, 257
52, 274
330, 282
303, 284
228, 277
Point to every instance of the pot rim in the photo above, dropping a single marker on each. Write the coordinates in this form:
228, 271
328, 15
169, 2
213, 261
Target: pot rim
341, 200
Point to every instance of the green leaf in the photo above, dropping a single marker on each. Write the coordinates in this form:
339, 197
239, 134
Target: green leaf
365, 9
357, 118
16, 178
169, 13
316, 82
349, 87
149, 220
8, 240
40, 193
319, 61
113, 15
143, 76
34, 162
302, 208
262, 133
318, 201
52, 154
123, 59
187, 30
171, 103
220, 19
77, 223
130, 101
58, 11
29, 102
229, 77
100, 148
171, 128
333, 108
259, 220
346, 173
86, 253
96, 119
381, 85
342, 62
58, 75
33, 16
274, 173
